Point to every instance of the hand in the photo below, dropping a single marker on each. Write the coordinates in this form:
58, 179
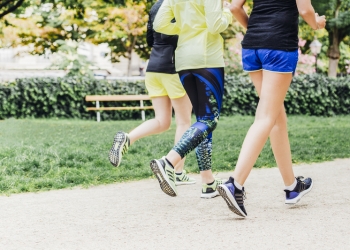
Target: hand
321, 21
226, 4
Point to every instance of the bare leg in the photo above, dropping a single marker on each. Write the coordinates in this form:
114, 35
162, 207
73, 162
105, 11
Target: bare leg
183, 109
159, 124
278, 137
273, 90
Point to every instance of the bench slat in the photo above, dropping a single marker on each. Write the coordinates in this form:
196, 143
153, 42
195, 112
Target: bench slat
119, 108
105, 98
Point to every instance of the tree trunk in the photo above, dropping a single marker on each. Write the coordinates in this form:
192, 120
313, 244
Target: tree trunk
130, 50
332, 67
334, 55
129, 63
333, 51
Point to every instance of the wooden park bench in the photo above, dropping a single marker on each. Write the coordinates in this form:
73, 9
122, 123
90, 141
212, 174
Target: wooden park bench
117, 98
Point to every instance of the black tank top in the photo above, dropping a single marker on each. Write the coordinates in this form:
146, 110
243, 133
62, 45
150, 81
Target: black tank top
273, 24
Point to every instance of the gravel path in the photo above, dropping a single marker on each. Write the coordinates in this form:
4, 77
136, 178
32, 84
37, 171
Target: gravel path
137, 215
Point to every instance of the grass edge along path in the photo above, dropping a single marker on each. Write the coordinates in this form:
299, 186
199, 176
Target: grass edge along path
46, 154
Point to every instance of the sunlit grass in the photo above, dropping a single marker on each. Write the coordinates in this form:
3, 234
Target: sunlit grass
52, 154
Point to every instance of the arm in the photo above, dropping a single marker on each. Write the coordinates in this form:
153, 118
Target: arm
150, 38
238, 11
217, 17
307, 12
162, 23
170, 39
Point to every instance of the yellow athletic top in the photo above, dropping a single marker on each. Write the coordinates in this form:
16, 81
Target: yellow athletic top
198, 24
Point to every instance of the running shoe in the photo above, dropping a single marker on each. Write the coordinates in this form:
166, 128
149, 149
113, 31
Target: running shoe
184, 179
210, 191
119, 148
165, 175
303, 187
233, 197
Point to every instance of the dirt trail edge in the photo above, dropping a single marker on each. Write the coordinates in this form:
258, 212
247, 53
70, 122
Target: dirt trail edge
137, 215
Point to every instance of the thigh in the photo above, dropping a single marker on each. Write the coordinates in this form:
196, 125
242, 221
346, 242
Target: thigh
183, 109
274, 88
210, 90
188, 81
162, 108
257, 79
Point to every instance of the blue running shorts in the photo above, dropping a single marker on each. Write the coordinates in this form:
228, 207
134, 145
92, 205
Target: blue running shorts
269, 59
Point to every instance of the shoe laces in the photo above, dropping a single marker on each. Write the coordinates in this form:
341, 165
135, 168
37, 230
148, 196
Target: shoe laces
300, 183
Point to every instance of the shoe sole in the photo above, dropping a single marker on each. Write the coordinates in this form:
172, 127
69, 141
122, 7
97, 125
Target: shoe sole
298, 198
179, 183
163, 180
210, 195
230, 201
115, 155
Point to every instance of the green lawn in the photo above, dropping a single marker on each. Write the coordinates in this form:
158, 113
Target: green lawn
37, 154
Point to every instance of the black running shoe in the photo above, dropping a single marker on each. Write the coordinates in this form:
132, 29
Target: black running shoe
303, 187
233, 197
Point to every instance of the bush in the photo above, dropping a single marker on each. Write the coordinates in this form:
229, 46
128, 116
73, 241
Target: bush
313, 94
65, 97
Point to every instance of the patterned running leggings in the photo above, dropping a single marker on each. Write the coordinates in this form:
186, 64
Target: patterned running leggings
205, 88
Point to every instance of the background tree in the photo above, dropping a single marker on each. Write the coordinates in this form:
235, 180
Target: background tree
123, 28
121, 24
8, 6
338, 27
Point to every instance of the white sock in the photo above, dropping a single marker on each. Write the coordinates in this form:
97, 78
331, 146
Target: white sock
291, 187
237, 185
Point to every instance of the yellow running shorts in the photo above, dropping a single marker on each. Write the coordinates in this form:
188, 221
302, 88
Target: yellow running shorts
160, 84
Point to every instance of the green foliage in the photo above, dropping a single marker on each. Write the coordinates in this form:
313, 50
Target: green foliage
319, 96
8, 6
337, 13
67, 58
96, 21
308, 95
46, 154
65, 97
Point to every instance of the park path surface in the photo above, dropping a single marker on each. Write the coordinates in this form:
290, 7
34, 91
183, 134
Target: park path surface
138, 215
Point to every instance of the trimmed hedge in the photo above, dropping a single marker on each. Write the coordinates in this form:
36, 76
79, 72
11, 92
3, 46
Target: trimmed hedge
315, 95
65, 97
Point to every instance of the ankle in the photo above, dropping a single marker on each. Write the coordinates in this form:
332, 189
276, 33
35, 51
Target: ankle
291, 187
170, 164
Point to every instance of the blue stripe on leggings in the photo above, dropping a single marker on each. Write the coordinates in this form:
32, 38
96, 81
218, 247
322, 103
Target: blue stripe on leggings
201, 126
216, 73
183, 77
219, 100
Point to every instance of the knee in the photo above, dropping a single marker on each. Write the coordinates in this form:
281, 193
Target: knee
183, 122
164, 124
211, 124
265, 122
281, 121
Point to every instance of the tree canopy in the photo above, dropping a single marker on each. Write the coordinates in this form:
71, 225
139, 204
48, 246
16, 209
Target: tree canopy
9, 6
122, 24
338, 27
